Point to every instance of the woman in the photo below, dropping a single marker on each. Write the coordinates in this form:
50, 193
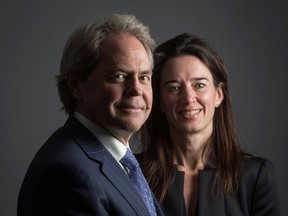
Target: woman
192, 157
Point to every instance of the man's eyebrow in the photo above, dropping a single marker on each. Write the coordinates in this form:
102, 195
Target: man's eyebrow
150, 72
122, 69
127, 70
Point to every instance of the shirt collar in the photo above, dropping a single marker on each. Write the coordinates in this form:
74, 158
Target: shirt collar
116, 148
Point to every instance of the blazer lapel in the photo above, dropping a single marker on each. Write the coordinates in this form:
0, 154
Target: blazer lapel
208, 204
110, 167
157, 206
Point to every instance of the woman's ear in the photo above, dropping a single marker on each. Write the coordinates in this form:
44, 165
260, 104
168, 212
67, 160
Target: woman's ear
219, 95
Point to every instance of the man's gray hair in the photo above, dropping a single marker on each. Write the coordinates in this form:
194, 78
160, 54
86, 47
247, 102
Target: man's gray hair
81, 52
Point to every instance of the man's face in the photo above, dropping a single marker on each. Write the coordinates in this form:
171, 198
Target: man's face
117, 95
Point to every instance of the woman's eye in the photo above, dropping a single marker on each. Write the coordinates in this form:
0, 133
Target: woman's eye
173, 89
200, 85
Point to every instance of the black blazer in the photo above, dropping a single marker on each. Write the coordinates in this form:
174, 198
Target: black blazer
74, 174
257, 193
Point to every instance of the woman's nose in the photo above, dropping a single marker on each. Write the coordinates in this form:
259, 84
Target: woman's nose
189, 95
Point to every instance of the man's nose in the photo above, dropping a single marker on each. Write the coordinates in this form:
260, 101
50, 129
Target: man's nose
133, 87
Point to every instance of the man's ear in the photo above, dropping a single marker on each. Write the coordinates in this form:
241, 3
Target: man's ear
74, 85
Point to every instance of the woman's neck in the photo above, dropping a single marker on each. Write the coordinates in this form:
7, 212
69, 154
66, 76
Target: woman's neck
189, 151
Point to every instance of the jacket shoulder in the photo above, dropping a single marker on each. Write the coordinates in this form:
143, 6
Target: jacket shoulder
252, 165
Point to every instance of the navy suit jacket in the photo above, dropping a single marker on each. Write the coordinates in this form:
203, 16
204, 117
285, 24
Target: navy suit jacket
74, 174
257, 193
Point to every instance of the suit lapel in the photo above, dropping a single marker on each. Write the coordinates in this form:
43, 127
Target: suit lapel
121, 181
110, 167
208, 204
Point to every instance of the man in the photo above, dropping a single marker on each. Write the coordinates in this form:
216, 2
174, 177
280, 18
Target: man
105, 87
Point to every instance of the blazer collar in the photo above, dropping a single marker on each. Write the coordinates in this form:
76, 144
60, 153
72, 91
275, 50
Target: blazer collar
110, 167
207, 203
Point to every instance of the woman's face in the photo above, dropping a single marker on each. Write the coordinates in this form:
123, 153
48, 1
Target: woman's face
188, 95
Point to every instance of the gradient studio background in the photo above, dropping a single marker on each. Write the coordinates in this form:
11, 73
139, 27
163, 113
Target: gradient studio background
251, 36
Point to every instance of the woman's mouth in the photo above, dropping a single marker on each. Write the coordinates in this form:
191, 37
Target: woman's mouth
190, 113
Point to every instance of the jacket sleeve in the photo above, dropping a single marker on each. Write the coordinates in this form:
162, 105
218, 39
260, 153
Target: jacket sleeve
65, 189
265, 199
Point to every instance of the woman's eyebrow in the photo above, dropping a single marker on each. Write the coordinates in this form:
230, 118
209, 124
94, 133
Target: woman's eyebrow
199, 78
193, 79
170, 81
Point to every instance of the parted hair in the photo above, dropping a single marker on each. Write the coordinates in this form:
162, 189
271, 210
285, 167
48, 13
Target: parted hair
81, 51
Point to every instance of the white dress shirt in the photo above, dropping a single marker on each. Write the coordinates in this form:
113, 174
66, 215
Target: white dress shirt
116, 148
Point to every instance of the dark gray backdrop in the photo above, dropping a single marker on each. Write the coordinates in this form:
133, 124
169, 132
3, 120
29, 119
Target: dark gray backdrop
251, 36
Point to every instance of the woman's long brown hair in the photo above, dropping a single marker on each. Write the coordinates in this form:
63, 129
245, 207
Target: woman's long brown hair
223, 150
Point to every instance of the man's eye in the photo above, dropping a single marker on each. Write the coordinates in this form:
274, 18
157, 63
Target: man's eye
118, 78
145, 78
